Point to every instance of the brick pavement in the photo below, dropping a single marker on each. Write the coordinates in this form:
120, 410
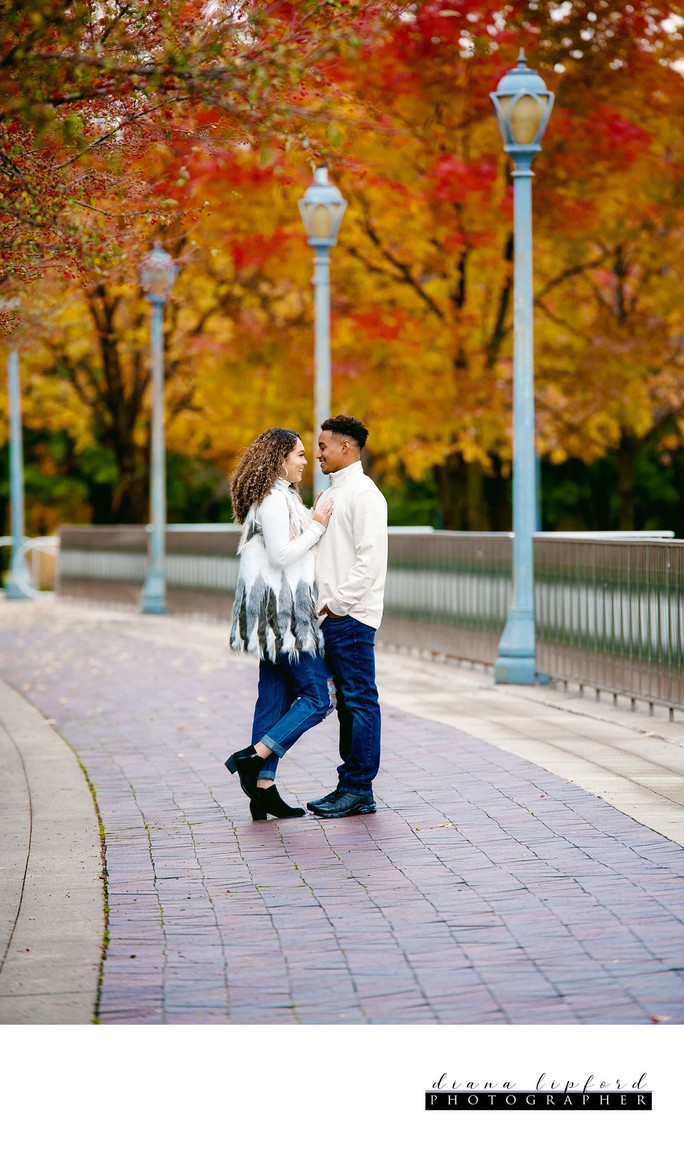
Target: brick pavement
484, 889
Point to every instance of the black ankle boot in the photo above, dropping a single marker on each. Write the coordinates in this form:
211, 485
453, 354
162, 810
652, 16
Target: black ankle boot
256, 808
267, 801
248, 765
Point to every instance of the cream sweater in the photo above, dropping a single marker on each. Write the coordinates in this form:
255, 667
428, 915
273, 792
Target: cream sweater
351, 558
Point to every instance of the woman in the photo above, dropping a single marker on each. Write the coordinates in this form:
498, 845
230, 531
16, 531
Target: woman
274, 613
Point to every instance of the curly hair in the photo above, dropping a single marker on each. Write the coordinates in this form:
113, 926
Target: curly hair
258, 468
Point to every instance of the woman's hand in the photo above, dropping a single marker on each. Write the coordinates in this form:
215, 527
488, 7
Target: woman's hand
323, 510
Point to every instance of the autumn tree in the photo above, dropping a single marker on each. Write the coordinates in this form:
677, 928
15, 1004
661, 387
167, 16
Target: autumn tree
609, 352
85, 87
422, 273
432, 236
102, 107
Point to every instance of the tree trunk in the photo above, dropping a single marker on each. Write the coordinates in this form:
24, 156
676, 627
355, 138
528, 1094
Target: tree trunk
478, 518
461, 488
450, 492
627, 453
120, 413
499, 499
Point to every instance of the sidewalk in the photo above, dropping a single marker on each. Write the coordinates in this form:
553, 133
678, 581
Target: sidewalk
51, 892
494, 884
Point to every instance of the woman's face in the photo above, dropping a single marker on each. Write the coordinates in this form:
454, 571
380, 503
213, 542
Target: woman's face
295, 463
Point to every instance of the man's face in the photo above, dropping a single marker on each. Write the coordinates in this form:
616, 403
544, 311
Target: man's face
333, 452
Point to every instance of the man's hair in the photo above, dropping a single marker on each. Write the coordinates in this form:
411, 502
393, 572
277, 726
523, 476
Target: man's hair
346, 426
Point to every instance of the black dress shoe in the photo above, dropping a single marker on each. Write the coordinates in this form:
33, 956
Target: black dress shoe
314, 803
248, 765
268, 801
346, 804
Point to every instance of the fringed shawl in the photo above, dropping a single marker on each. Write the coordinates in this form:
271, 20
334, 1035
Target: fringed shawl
275, 608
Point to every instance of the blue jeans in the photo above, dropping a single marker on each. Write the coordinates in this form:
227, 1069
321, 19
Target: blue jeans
293, 696
350, 655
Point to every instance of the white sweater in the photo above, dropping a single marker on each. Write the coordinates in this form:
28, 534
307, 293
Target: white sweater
351, 558
275, 516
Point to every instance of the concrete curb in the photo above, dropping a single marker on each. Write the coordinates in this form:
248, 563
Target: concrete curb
51, 874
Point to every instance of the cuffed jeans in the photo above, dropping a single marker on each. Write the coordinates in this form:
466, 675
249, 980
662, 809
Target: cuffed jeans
350, 655
293, 696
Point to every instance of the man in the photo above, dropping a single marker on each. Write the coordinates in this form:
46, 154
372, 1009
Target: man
351, 566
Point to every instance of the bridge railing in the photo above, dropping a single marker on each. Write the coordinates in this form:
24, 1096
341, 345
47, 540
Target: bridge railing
609, 607
610, 614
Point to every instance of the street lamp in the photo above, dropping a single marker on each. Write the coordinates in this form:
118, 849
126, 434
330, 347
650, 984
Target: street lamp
157, 276
322, 209
523, 106
17, 577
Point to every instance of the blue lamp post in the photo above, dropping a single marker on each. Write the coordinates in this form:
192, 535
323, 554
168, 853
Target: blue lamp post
17, 580
157, 276
523, 106
322, 209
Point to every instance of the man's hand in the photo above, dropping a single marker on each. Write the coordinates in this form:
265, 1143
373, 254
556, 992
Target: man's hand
325, 610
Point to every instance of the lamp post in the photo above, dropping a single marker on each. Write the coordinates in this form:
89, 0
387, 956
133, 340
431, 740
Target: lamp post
322, 209
157, 276
17, 577
523, 106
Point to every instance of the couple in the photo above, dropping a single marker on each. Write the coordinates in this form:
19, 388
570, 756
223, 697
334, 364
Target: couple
308, 583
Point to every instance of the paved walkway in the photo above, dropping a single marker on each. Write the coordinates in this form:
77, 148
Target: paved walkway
489, 887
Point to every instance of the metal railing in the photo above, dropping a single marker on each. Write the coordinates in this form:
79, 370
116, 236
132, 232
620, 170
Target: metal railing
448, 591
111, 562
610, 614
609, 607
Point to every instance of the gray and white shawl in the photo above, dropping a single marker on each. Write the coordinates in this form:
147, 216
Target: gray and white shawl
275, 606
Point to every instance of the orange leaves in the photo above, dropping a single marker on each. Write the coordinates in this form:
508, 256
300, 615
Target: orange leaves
378, 324
189, 13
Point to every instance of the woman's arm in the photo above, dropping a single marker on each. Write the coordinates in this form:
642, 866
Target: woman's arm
275, 525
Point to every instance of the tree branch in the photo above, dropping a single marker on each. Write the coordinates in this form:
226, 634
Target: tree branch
401, 266
122, 124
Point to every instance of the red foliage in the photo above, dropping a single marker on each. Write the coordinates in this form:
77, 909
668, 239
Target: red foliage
453, 179
253, 251
441, 23
631, 140
377, 324
615, 141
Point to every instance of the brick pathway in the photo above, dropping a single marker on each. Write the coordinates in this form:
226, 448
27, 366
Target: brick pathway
484, 890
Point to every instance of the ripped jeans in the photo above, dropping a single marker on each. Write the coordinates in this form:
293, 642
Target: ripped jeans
293, 696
